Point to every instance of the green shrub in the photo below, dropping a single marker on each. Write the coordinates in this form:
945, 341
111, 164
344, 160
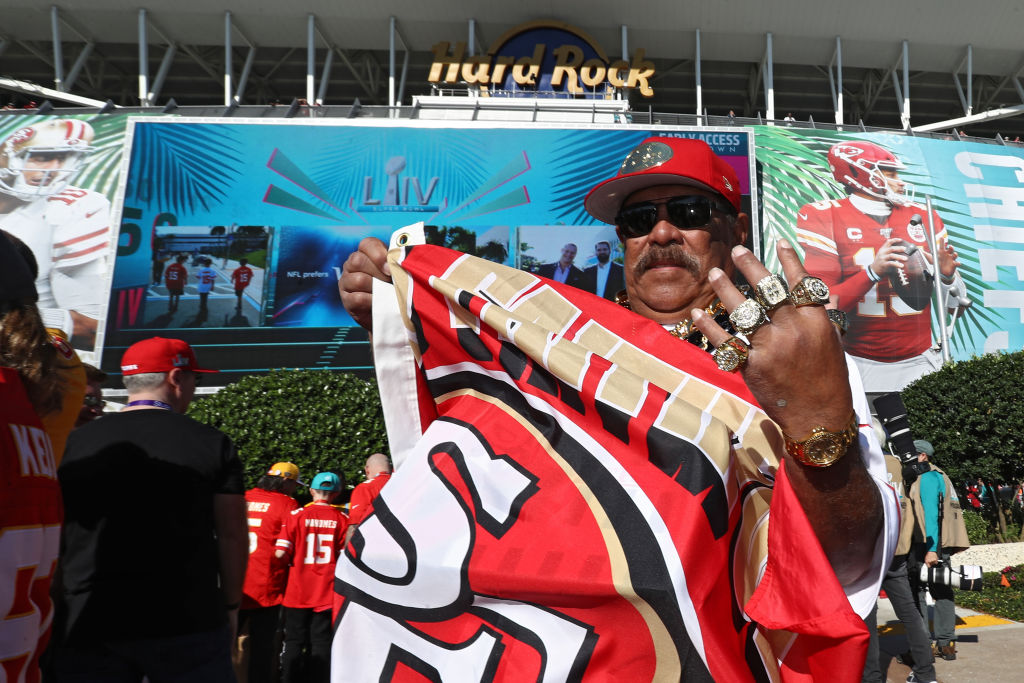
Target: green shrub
995, 598
972, 412
978, 530
318, 419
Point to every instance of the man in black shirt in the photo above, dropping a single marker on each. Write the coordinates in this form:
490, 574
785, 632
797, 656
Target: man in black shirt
151, 587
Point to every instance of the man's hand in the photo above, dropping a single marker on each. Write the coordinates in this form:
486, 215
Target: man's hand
356, 283
889, 257
796, 369
931, 558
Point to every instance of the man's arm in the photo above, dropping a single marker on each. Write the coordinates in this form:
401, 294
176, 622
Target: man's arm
797, 371
232, 544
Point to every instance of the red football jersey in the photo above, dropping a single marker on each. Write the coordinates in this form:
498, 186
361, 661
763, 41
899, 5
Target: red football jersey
840, 242
175, 276
241, 276
265, 575
31, 513
361, 503
313, 537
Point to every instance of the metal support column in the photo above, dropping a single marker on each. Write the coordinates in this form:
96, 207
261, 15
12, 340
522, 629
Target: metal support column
769, 80
391, 62
700, 88
161, 74
325, 77
244, 78
58, 51
227, 59
970, 79
905, 116
310, 57
835, 82
624, 35
143, 60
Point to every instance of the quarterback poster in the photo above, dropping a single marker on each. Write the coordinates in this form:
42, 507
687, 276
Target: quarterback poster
57, 176
857, 206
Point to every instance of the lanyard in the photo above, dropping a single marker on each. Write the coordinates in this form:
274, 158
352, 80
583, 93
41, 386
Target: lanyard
148, 402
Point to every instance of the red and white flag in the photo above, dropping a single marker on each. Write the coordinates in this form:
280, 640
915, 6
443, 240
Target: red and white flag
587, 499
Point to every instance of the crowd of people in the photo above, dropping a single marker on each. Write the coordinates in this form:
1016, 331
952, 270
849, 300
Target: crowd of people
133, 550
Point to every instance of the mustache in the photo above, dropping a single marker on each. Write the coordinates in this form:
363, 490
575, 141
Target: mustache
670, 253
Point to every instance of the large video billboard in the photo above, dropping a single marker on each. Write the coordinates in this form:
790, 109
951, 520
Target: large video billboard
847, 199
293, 200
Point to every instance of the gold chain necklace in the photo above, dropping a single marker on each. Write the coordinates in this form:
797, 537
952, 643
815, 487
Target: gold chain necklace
683, 328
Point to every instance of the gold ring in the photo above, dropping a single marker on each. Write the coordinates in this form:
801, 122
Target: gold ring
810, 291
748, 317
731, 354
771, 292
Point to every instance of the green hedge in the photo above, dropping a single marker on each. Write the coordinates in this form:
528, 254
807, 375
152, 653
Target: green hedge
972, 412
318, 419
995, 598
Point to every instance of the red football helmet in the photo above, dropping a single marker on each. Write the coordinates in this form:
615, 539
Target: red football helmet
39, 160
858, 165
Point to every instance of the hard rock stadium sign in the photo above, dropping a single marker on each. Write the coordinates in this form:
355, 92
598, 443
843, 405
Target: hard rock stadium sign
523, 63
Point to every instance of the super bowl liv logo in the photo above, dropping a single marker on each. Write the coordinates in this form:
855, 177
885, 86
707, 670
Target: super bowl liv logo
401, 193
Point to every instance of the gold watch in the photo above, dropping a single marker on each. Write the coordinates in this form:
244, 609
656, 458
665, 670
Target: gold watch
823, 448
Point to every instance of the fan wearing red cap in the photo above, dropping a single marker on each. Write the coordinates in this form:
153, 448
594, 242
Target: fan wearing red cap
117, 554
160, 372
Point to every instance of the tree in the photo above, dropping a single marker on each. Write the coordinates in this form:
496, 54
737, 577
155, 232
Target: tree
318, 419
972, 412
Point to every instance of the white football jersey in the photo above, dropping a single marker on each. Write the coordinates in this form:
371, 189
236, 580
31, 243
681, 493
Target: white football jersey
69, 234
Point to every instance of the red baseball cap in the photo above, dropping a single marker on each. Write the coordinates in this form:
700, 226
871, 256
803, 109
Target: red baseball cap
664, 161
159, 354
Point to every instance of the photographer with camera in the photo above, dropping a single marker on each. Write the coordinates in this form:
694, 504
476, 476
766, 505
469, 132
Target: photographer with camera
896, 585
939, 532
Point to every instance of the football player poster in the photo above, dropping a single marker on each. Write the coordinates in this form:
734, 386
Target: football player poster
855, 203
56, 177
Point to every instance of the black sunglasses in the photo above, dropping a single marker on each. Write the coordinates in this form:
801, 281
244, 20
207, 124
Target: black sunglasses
688, 211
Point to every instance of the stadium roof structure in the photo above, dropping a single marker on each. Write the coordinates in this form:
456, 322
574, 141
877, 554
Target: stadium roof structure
933, 65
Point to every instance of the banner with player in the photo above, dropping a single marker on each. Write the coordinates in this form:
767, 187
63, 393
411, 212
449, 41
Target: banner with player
233, 233
572, 501
57, 177
855, 203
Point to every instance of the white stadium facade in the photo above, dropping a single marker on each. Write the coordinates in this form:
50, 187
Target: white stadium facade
933, 67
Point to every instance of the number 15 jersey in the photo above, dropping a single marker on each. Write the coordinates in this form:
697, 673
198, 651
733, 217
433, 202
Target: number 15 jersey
313, 536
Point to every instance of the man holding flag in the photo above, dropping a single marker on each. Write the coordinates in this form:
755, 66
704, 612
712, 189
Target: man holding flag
591, 494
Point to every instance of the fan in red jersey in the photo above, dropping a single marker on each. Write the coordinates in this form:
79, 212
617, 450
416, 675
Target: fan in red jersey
868, 248
378, 472
30, 502
175, 278
312, 540
268, 507
241, 277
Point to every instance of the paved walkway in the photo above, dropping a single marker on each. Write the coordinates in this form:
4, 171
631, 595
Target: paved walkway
988, 648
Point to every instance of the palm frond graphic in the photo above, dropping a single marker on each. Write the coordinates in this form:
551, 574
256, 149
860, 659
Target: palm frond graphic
178, 167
